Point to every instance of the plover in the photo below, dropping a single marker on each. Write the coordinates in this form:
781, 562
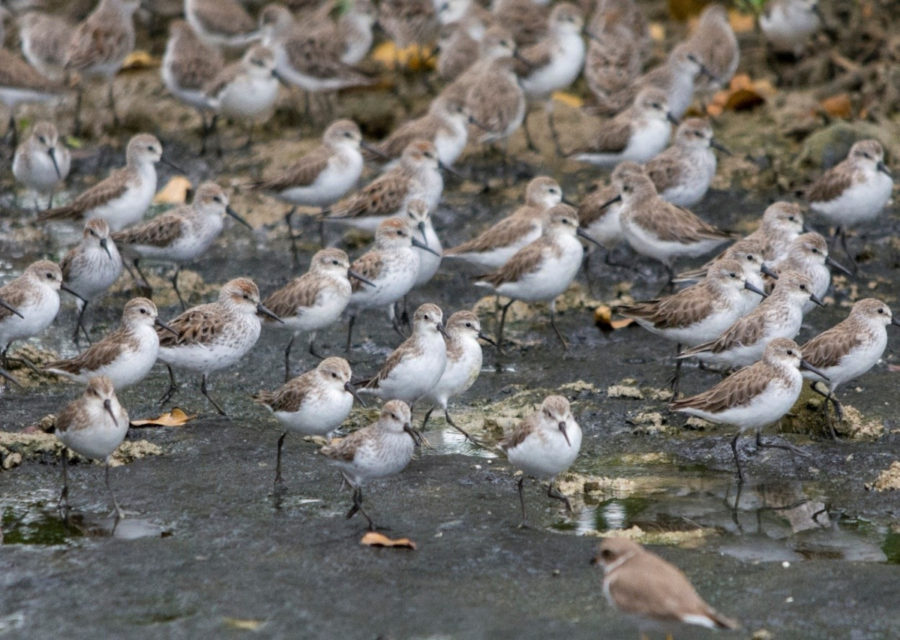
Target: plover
643, 585
464, 360
637, 134
544, 445
44, 38
42, 161
848, 349
500, 242
754, 397
213, 336
683, 172
714, 43
542, 270
93, 426
91, 267
125, 356
312, 404
221, 22
415, 367
496, 44
123, 197
446, 125
788, 24
778, 316
182, 234
809, 255
381, 449
314, 300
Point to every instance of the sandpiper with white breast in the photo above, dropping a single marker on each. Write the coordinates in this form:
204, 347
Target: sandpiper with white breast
544, 445
125, 356
123, 197
789, 24
45, 38
42, 161
93, 426
715, 45
676, 77
754, 397
808, 255
446, 125
312, 404
19, 84
221, 22
419, 218
182, 234
642, 585
381, 449
213, 336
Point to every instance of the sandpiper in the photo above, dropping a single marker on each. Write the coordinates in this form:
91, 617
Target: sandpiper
415, 367
809, 255
714, 43
31, 302
683, 172
638, 133
598, 215
99, 45
381, 449
416, 176
314, 300
525, 19
457, 51
755, 396
641, 584
42, 161
123, 197
555, 62
45, 38
500, 242
468, 13
221, 22
542, 270
463, 364
778, 316
93, 426
354, 30
789, 24
677, 77
854, 191
544, 445
614, 56
409, 22
19, 83
446, 125
182, 234
656, 228
125, 356
430, 258
312, 404
213, 336
388, 271
91, 267
848, 349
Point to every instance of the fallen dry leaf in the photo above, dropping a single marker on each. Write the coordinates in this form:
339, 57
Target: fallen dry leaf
603, 319
175, 191
568, 99
838, 106
175, 418
742, 93
657, 32
139, 60
375, 539
741, 22
413, 57
243, 624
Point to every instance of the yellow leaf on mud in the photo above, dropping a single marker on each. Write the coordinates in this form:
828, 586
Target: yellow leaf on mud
139, 59
657, 31
175, 418
838, 106
175, 191
413, 57
603, 320
375, 539
243, 624
568, 99
741, 22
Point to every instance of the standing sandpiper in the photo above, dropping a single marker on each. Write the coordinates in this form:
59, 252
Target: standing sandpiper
42, 161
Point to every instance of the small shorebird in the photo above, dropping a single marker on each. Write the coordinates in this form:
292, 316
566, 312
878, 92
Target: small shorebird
93, 426
354, 31
416, 366
677, 77
98, 48
42, 161
848, 349
45, 38
314, 300
637, 134
182, 234
854, 191
31, 302
541, 270
464, 360
495, 246
409, 22
715, 45
809, 255
381, 449
544, 445
525, 19
788, 24
755, 396
430, 258
188, 66
125, 356
123, 197
213, 336
388, 271
457, 50
615, 55
446, 125
643, 585
598, 215
416, 176
221, 22
91, 267
312, 404
683, 172
19, 83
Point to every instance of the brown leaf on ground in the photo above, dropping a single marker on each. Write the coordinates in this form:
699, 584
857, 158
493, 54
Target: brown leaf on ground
375, 539
603, 320
174, 418
838, 106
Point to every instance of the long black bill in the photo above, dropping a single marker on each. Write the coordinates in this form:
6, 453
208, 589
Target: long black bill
569, 202
261, 309
104, 242
518, 56
107, 404
478, 124
450, 170
882, 167
375, 151
356, 276
234, 214
895, 322
352, 391
562, 427
767, 271
816, 299
490, 341
582, 234
590, 35
415, 435
74, 293
424, 247
163, 325
443, 330
281, 79
671, 118
5, 374
805, 365
749, 286
52, 153
11, 309
618, 198
834, 264
421, 228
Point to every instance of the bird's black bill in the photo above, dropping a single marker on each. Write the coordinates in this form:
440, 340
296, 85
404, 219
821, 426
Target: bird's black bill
816, 299
375, 151
163, 325
172, 165
767, 271
618, 198
450, 170
749, 286
808, 367
11, 309
107, 404
671, 118
262, 310
882, 167
582, 234
74, 293
424, 247
834, 264
562, 428
105, 244
52, 153
443, 330
352, 391
415, 435
715, 144
234, 214
490, 341
356, 276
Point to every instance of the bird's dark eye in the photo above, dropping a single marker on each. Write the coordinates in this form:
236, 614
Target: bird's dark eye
881, 311
348, 135
733, 274
469, 324
149, 148
815, 250
790, 352
246, 297
49, 276
144, 311
43, 140
394, 416
802, 287
607, 554
334, 375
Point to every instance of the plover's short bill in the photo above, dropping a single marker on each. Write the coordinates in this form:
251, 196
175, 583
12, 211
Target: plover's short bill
642, 585
754, 397
42, 161
93, 426
125, 356
213, 336
312, 404
849, 349
544, 445
381, 449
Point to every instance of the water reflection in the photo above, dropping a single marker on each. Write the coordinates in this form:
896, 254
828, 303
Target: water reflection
39, 525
